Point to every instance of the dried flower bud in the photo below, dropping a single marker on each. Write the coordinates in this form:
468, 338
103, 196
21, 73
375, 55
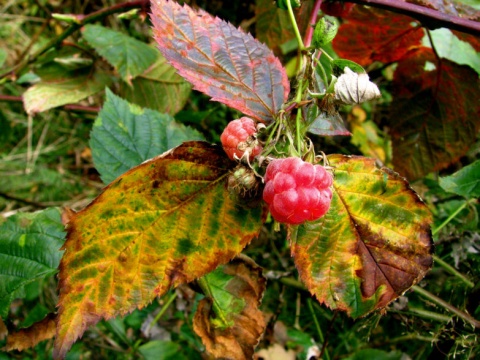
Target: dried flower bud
354, 88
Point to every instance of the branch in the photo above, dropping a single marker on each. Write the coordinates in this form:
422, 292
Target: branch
430, 18
80, 20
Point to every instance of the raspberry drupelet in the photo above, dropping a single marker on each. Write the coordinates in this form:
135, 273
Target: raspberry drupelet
239, 139
297, 191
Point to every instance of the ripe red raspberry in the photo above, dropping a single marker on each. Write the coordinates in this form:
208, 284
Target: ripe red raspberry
336, 8
297, 191
239, 138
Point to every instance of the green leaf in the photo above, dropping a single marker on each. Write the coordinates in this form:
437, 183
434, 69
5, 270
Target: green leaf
164, 223
339, 65
465, 182
65, 89
130, 57
159, 88
372, 245
325, 31
124, 135
225, 305
229, 320
29, 250
161, 350
448, 46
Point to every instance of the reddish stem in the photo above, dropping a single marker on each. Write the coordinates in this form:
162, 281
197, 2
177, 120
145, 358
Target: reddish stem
311, 23
430, 18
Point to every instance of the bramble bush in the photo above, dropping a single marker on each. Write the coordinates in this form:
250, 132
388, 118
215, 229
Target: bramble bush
336, 152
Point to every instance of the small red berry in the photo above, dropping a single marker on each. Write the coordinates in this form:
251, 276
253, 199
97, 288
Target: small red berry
239, 138
297, 191
336, 8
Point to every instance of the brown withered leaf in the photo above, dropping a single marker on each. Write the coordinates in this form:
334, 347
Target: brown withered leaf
241, 281
31, 336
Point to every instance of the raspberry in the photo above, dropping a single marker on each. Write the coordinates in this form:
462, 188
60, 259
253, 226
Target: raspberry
337, 8
297, 191
238, 139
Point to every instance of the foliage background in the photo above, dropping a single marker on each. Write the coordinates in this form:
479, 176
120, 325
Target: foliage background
46, 161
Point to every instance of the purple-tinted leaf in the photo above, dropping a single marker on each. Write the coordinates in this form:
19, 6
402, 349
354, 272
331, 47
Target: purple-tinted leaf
220, 60
326, 124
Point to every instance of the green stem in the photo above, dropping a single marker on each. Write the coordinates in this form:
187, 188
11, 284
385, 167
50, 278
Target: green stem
430, 315
317, 325
455, 213
293, 282
295, 27
428, 295
163, 310
452, 271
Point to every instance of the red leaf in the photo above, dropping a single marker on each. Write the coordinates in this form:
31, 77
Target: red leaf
220, 60
371, 35
435, 115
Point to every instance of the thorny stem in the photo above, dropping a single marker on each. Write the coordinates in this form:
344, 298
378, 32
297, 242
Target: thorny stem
428, 295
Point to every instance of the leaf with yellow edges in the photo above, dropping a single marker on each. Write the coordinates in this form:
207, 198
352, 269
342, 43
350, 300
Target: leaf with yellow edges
372, 245
166, 222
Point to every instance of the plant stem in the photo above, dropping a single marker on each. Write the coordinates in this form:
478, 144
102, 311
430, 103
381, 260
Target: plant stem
311, 23
430, 315
430, 18
453, 271
428, 295
301, 47
289, 281
455, 213
162, 310
317, 325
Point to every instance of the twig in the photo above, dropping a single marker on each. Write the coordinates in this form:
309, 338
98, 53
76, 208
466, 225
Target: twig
36, 205
430, 18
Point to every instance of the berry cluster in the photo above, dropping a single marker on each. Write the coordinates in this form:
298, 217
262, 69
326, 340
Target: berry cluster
297, 191
238, 139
